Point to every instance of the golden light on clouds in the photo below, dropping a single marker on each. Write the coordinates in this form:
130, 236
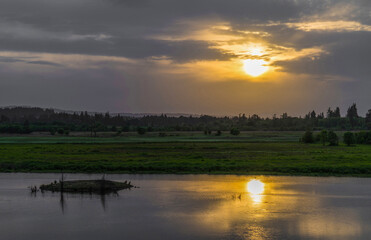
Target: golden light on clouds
252, 57
336, 26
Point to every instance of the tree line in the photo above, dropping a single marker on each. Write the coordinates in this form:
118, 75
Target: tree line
25, 120
332, 139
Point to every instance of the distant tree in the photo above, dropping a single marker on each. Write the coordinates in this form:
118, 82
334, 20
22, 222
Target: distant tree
352, 114
67, 132
308, 137
52, 131
332, 138
61, 131
141, 130
162, 134
368, 119
114, 129
323, 137
330, 113
235, 131
125, 128
349, 138
363, 137
321, 115
337, 113
207, 132
26, 127
313, 114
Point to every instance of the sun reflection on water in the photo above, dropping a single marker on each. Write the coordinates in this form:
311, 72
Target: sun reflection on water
255, 188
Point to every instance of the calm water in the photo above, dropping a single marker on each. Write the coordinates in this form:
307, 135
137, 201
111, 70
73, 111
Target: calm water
189, 207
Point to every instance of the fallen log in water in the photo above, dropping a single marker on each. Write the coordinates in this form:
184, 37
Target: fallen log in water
86, 186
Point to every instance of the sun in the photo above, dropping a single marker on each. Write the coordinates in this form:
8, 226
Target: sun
255, 67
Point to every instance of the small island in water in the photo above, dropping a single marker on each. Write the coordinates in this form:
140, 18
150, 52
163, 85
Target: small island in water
101, 186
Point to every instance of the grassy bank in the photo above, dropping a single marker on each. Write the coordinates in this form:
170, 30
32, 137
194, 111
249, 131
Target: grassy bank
283, 158
151, 137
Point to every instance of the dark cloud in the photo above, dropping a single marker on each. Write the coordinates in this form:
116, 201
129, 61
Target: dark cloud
179, 51
349, 55
26, 60
129, 3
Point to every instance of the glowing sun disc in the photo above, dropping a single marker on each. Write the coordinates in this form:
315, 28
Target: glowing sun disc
255, 67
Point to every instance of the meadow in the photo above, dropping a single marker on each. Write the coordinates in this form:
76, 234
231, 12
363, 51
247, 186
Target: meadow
275, 153
150, 137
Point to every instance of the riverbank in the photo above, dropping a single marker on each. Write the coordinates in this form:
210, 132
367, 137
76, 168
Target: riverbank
278, 158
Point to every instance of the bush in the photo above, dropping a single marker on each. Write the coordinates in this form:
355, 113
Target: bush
235, 131
218, 133
61, 131
323, 137
207, 132
141, 130
308, 137
363, 137
317, 138
52, 131
333, 138
349, 138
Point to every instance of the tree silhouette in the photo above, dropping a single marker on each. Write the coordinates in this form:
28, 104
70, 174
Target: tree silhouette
352, 114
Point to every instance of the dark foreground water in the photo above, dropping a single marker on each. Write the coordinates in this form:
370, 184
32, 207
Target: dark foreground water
189, 207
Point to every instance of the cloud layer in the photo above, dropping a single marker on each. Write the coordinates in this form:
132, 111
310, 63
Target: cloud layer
185, 56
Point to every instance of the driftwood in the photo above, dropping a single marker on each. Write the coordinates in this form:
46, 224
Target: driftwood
87, 186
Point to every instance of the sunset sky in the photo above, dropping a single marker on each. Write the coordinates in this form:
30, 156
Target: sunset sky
221, 57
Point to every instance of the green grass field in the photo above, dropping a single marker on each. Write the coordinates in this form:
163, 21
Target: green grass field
133, 137
214, 157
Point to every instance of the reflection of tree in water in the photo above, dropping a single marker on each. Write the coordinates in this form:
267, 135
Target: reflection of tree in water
62, 202
103, 201
102, 197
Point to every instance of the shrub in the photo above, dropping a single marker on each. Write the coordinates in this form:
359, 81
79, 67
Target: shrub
162, 134
332, 138
61, 131
308, 137
235, 131
207, 132
349, 138
218, 133
52, 131
363, 137
141, 130
317, 138
323, 137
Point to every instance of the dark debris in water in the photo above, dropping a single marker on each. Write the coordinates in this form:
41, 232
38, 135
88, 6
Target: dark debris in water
87, 186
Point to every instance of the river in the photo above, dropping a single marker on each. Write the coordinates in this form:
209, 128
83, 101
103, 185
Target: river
188, 207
